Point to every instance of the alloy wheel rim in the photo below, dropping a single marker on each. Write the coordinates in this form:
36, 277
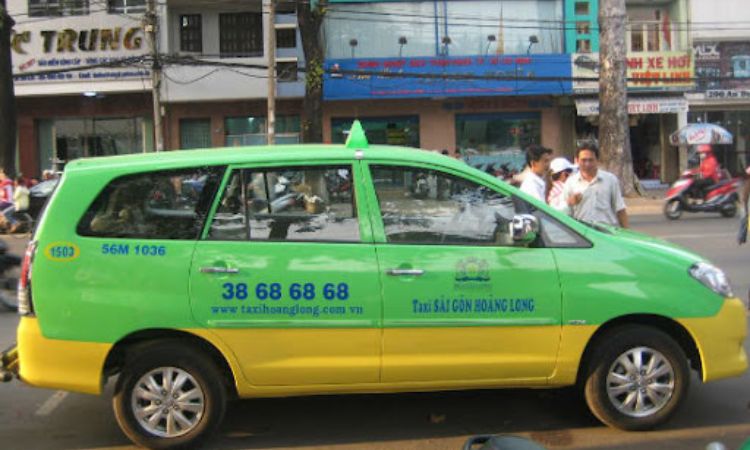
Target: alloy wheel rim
640, 382
168, 402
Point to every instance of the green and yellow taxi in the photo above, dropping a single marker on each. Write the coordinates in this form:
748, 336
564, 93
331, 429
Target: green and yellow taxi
199, 276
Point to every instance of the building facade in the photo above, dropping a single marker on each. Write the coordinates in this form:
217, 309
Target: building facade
217, 93
83, 77
660, 70
478, 78
491, 77
722, 58
100, 104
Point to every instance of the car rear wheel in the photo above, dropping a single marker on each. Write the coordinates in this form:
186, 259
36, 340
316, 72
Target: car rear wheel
169, 397
637, 378
673, 209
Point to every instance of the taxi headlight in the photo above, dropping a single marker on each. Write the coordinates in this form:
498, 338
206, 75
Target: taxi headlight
712, 277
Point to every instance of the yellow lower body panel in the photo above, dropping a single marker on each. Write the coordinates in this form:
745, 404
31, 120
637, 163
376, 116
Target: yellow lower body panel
57, 364
573, 342
720, 339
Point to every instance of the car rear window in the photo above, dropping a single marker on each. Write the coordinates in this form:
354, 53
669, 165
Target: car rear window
153, 205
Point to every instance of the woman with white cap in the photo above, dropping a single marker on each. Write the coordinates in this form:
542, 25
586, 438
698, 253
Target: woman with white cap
560, 169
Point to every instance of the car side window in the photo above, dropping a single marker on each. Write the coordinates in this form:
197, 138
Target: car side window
288, 204
154, 205
421, 206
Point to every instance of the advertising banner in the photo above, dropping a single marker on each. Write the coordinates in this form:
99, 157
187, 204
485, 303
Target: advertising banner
723, 69
455, 76
667, 105
646, 71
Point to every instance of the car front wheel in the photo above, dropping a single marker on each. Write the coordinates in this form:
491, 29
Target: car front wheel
637, 378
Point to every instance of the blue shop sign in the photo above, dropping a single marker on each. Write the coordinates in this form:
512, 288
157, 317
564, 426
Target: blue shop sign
455, 76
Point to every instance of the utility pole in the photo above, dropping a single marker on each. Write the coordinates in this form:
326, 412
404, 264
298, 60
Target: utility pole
7, 96
271, 39
614, 130
151, 25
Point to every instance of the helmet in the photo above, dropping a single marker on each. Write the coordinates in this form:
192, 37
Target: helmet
704, 148
560, 164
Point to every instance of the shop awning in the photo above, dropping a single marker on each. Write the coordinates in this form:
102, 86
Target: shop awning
637, 105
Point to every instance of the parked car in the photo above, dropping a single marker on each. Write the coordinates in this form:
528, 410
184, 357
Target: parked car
463, 283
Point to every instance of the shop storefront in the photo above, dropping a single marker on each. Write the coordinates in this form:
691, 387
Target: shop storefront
434, 105
192, 125
651, 121
656, 106
53, 131
73, 98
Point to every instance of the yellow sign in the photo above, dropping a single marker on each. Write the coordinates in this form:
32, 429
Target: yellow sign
664, 70
62, 251
661, 69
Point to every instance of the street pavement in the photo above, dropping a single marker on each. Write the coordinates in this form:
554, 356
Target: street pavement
40, 419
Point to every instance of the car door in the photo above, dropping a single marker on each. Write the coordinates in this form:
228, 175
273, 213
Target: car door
285, 277
461, 302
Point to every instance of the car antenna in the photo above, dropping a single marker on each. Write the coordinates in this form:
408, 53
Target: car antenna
357, 139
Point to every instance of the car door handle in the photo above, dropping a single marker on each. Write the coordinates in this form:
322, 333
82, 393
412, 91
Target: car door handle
405, 272
219, 270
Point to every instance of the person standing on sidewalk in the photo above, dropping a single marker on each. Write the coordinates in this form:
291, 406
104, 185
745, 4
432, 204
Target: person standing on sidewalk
593, 194
538, 159
560, 169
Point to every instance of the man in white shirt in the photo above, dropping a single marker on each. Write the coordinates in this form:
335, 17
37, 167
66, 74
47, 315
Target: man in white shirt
538, 159
593, 194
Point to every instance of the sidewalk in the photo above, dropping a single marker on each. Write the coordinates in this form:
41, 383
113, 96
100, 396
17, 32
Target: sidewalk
651, 203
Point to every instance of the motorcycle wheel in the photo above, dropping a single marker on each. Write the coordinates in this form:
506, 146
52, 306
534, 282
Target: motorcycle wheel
673, 209
729, 210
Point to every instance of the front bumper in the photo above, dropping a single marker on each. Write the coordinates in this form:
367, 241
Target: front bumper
720, 340
9, 364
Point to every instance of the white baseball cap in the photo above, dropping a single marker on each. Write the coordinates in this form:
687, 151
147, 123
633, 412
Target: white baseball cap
560, 164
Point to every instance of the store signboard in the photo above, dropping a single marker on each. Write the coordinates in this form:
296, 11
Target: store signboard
671, 105
646, 71
80, 49
723, 69
454, 76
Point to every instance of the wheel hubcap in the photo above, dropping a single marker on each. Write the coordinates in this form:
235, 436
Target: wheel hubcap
168, 402
640, 382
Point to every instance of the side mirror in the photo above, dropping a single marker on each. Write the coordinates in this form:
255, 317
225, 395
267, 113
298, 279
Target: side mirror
524, 228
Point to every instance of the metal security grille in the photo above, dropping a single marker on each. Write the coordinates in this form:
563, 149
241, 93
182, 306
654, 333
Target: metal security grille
191, 33
53, 8
126, 6
241, 34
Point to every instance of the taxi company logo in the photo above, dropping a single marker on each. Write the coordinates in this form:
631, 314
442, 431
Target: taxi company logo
472, 269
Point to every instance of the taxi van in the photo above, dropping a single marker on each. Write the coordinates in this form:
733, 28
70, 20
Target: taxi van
196, 277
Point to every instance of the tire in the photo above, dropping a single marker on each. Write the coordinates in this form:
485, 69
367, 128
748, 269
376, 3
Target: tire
729, 210
202, 411
613, 391
673, 209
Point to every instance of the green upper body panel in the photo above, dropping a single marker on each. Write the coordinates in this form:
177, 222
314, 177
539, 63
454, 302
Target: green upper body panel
115, 286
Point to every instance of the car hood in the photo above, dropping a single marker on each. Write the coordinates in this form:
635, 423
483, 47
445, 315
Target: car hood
651, 244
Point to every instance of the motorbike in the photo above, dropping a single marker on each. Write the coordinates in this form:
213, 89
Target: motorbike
721, 197
8, 281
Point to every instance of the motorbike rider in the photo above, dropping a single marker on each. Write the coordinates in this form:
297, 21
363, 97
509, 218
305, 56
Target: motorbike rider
710, 170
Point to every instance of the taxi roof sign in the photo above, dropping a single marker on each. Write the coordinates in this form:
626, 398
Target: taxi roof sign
357, 138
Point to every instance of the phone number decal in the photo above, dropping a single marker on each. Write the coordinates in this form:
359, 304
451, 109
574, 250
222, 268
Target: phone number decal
277, 291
